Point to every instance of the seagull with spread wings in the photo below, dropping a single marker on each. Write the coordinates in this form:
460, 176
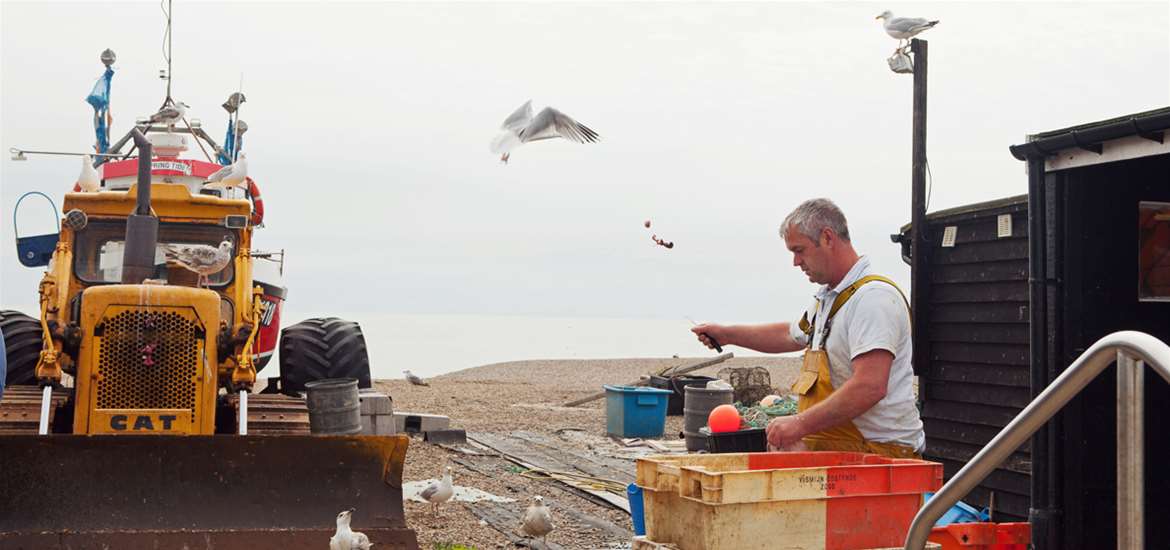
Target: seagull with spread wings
522, 127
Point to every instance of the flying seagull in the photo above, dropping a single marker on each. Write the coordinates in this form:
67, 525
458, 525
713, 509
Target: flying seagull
346, 539
439, 492
200, 258
89, 181
904, 28
410, 377
230, 175
521, 127
537, 520
170, 115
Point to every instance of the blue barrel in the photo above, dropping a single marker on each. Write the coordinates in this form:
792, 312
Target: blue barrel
634, 493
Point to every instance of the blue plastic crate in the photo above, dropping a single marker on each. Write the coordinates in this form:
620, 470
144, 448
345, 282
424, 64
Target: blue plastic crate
635, 411
961, 512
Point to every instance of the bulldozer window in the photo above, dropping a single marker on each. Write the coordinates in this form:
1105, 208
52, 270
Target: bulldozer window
97, 256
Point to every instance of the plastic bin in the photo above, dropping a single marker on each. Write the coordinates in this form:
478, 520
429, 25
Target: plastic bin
983, 536
961, 512
751, 440
635, 411
794, 500
634, 494
677, 385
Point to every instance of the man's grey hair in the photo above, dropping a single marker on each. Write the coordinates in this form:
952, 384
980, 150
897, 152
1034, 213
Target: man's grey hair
814, 216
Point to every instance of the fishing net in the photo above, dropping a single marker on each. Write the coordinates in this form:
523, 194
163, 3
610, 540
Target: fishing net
757, 416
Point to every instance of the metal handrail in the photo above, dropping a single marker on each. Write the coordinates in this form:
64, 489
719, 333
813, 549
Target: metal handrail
1130, 349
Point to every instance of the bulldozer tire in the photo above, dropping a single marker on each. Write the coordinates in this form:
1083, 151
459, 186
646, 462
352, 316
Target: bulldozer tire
22, 344
320, 348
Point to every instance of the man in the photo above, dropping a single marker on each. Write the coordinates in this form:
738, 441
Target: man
855, 388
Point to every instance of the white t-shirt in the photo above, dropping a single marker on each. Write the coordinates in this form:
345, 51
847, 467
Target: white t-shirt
875, 317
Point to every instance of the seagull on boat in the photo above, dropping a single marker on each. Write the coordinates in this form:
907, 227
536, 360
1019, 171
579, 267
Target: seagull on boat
521, 127
200, 258
537, 520
439, 492
904, 28
90, 180
346, 539
170, 115
230, 175
410, 377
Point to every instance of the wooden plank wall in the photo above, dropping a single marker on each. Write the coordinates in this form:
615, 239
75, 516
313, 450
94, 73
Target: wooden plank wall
977, 377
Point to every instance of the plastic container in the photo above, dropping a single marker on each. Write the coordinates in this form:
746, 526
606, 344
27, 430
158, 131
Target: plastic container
746, 501
961, 512
334, 406
983, 536
677, 385
698, 405
634, 494
635, 411
751, 440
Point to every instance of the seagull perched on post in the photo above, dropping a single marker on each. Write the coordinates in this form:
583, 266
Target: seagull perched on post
904, 28
230, 175
439, 492
90, 180
521, 127
410, 377
537, 520
170, 115
346, 539
202, 259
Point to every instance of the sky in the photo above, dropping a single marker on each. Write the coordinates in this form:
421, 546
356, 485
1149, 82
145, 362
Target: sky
369, 126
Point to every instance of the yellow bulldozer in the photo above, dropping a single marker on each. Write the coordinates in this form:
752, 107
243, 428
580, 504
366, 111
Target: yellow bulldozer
130, 420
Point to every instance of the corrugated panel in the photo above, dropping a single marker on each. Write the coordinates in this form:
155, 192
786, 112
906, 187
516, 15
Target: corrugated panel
1018, 462
1001, 354
961, 432
981, 252
972, 413
1006, 270
986, 333
956, 392
1001, 291
1015, 375
986, 312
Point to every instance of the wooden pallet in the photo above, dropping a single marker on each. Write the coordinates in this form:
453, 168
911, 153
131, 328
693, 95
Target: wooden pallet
273, 414
20, 409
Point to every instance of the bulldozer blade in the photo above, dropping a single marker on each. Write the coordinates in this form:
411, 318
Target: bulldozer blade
199, 492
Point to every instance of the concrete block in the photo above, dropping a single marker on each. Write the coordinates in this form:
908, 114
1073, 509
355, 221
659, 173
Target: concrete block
453, 436
378, 424
375, 402
408, 422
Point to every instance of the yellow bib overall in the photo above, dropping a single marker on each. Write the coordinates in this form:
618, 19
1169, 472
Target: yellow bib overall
814, 385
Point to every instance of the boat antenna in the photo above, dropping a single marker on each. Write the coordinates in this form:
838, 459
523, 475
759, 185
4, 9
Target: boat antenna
167, 9
236, 143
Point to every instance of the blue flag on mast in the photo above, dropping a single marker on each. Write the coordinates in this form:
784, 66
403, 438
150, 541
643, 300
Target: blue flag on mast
99, 98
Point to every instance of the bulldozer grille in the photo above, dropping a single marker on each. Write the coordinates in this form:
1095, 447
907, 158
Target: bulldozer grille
148, 360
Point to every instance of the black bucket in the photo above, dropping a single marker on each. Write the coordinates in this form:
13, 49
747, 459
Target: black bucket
334, 406
678, 385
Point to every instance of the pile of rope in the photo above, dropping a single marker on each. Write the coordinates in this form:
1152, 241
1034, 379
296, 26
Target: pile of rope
757, 416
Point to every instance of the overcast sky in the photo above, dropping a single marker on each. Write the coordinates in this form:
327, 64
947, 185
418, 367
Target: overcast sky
370, 123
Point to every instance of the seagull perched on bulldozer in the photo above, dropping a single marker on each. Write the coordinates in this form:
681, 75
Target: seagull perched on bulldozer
202, 259
345, 538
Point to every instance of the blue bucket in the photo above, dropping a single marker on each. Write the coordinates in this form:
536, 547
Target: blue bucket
635, 411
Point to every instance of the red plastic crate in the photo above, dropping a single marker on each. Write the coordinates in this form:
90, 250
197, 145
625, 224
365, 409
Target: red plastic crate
983, 536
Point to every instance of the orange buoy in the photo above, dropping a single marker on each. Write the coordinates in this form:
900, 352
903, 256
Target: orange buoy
723, 418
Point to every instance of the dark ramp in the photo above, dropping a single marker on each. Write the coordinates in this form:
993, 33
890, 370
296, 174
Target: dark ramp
207, 492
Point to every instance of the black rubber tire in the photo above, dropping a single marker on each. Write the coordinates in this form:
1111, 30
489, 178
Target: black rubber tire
22, 346
320, 348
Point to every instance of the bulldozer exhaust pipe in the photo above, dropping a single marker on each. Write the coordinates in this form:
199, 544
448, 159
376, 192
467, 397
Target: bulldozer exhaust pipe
141, 226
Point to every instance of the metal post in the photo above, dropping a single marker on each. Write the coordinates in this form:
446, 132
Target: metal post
46, 398
243, 412
1130, 452
919, 258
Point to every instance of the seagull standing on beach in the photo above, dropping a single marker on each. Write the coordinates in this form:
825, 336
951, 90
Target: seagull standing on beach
90, 180
904, 28
230, 175
410, 377
170, 115
439, 492
200, 258
537, 520
346, 539
521, 127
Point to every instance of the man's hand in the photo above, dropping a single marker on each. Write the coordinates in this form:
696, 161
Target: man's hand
706, 331
785, 433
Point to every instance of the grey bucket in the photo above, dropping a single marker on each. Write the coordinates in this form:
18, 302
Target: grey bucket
334, 406
697, 405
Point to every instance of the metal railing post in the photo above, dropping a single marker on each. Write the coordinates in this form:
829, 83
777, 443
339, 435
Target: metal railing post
1130, 451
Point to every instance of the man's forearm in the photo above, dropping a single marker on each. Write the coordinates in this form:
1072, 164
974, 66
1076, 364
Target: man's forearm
843, 405
766, 338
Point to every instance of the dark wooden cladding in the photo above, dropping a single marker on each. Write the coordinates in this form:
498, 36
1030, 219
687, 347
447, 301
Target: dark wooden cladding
976, 379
